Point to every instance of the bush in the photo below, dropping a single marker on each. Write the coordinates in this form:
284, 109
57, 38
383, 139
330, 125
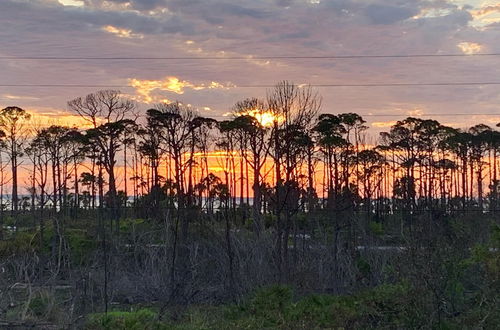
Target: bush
267, 307
142, 319
273, 299
80, 244
21, 243
376, 228
323, 311
44, 306
129, 226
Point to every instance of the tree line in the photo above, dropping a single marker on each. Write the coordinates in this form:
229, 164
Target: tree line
273, 154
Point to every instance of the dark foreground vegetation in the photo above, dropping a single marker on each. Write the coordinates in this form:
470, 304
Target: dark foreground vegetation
293, 222
446, 277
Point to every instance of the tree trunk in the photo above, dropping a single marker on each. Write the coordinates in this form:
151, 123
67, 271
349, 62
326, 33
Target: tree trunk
15, 199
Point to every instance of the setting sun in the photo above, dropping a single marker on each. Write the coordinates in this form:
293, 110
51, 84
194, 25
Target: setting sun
265, 118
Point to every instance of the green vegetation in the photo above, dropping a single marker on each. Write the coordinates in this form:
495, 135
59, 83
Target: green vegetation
135, 320
396, 306
387, 306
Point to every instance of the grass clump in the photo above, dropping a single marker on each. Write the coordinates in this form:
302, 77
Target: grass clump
19, 244
142, 319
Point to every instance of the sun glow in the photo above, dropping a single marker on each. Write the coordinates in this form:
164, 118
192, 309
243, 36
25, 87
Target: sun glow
265, 118
41, 118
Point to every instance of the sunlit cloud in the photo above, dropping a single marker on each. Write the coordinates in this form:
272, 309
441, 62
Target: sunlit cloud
122, 33
491, 20
383, 124
432, 13
487, 14
486, 10
17, 97
470, 47
192, 47
146, 88
415, 112
77, 3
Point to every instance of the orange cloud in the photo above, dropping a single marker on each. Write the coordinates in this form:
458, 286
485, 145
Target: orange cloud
486, 10
145, 88
470, 48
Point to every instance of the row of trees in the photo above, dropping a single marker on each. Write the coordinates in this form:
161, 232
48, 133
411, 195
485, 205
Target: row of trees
426, 159
278, 155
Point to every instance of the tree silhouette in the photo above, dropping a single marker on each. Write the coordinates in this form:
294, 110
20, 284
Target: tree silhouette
13, 124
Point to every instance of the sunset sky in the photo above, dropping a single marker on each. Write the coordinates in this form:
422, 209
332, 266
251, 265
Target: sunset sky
237, 28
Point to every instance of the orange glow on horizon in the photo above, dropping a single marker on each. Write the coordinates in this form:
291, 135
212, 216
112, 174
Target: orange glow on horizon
56, 117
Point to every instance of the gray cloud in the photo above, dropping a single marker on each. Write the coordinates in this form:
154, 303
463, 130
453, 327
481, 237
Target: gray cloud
48, 18
134, 4
383, 14
218, 12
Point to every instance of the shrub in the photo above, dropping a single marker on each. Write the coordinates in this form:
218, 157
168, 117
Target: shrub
270, 304
142, 319
21, 243
376, 228
81, 245
323, 311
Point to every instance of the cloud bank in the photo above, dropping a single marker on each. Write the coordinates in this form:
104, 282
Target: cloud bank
237, 28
